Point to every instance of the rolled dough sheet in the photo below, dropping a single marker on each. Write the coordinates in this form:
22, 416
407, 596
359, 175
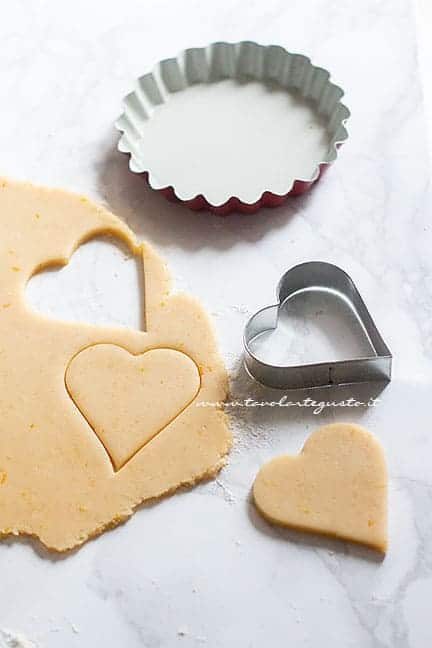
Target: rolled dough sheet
96, 419
336, 486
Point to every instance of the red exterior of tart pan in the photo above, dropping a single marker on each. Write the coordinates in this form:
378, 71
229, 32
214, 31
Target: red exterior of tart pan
235, 205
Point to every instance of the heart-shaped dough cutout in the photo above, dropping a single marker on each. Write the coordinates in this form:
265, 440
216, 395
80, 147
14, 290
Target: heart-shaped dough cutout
336, 486
128, 399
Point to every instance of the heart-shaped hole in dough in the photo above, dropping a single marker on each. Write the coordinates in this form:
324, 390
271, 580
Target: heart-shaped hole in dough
101, 284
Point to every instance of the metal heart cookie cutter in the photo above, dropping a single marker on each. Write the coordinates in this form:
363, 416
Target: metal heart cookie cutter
323, 277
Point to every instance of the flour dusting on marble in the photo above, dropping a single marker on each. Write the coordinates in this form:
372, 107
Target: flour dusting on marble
9, 639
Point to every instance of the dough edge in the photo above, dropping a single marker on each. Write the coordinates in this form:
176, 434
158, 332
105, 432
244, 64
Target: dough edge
118, 229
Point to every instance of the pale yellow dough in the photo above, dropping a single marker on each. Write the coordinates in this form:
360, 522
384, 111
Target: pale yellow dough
336, 486
96, 420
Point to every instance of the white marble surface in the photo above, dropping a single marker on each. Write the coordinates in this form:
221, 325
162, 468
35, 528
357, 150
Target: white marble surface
201, 568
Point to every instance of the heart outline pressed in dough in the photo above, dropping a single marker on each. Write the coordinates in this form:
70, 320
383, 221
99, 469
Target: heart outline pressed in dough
109, 386
336, 486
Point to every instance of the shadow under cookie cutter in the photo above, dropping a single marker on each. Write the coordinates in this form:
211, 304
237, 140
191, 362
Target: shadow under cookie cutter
324, 277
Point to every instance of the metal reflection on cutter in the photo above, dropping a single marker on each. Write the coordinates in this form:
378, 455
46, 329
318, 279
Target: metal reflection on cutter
323, 277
